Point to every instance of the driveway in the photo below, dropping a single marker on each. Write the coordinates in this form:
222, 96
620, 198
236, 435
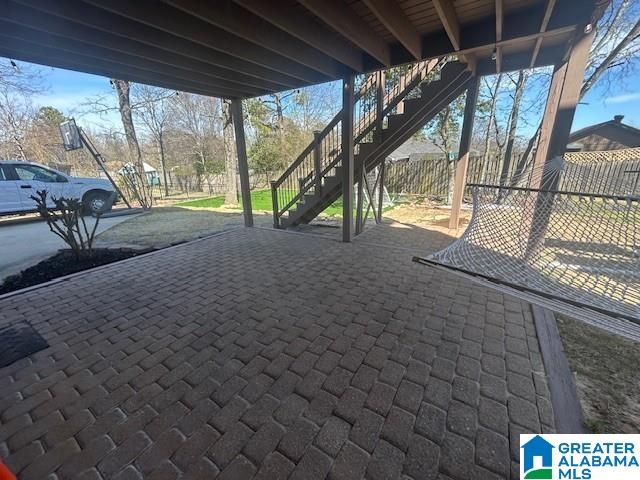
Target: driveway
27, 241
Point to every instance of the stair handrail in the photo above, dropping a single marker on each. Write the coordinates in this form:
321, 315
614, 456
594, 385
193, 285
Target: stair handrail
391, 99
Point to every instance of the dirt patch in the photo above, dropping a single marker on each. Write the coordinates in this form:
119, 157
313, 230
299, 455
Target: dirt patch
163, 226
427, 214
61, 264
607, 376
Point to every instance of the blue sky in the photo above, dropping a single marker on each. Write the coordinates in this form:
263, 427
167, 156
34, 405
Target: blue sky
67, 90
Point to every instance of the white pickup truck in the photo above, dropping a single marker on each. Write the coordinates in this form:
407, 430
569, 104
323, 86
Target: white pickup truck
20, 180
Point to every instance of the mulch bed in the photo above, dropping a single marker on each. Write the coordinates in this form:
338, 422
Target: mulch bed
64, 263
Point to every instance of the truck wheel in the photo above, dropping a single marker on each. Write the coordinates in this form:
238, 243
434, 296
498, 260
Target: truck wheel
95, 202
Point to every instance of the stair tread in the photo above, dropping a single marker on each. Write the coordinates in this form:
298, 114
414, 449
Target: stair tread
389, 137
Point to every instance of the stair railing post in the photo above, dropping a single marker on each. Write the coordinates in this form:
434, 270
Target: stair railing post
274, 201
317, 165
381, 191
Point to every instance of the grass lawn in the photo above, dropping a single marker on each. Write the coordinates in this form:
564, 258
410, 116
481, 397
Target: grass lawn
607, 376
260, 200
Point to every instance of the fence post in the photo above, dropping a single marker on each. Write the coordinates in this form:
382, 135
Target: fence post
317, 166
274, 200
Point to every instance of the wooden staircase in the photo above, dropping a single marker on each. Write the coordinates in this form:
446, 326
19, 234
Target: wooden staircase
314, 181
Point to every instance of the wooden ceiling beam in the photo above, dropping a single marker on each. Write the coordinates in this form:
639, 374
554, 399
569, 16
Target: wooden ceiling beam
97, 19
340, 17
65, 29
306, 30
16, 35
449, 20
478, 37
109, 71
233, 19
176, 23
543, 27
520, 61
393, 18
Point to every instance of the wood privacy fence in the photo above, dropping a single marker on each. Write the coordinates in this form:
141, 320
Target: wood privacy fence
431, 175
594, 172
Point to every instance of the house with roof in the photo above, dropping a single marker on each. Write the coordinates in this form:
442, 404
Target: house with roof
610, 135
414, 149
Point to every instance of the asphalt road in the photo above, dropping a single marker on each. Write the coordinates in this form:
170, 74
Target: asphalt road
26, 241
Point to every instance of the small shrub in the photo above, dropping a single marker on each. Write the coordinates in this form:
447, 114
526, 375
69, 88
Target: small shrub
65, 219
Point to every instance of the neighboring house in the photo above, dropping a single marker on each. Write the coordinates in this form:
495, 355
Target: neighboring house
151, 173
414, 149
611, 135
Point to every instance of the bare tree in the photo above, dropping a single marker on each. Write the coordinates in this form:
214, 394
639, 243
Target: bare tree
612, 56
231, 161
199, 119
513, 123
493, 95
137, 176
153, 108
17, 84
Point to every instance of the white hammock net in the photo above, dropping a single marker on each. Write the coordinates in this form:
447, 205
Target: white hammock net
574, 240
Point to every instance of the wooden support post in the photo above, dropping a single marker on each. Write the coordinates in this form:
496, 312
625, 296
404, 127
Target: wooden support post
347, 159
463, 153
274, 202
243, 166
564, 94
317, 163
360, 201
379, 104
381, 191
401, 87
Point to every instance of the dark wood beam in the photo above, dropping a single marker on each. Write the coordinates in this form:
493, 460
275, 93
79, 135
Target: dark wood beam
393, 18
45, 23
463, 152
238, 21
347, 164
108, 71
449, 21
543, 27
339, 16
177, 23
15, 36
520, 61
104, 21
243, 164
564, 94
478, 37
499, 20
307, 30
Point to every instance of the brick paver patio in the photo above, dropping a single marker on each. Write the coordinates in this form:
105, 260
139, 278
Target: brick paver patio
265, 354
